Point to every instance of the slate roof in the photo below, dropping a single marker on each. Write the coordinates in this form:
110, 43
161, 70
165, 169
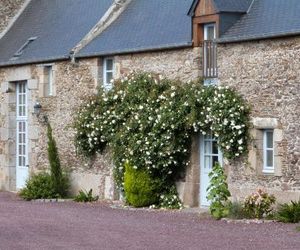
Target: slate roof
266, 19
145, 25
237, 6
58, 25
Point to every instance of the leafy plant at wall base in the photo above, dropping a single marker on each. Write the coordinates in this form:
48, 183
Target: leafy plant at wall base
85, 196
170, 199
218, 192
140, 189
259, 204
236, 211
59, 179
39, 186
289, 213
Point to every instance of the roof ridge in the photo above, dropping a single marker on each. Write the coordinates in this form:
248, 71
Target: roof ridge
250, 7
114, 11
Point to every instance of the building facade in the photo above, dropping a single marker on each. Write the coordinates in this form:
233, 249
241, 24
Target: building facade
204, 39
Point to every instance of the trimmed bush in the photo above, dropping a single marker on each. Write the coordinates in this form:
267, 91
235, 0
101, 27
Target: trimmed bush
39, 186
289, 213
140, 189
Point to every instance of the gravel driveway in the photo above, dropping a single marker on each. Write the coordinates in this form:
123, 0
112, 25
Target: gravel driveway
33, 225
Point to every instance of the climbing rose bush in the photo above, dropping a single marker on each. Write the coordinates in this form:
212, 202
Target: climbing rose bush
148, 121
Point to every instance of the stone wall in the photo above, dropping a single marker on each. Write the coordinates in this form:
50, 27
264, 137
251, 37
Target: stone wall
183, 64
73, 83
8, 9
266, 73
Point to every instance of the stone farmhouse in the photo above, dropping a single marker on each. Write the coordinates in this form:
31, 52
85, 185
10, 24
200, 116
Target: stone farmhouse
55, 53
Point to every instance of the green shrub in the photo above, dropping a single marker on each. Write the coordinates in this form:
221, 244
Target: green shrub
60, 181
140, 189
236, 211
289, 213
259, 204
218, 192
170, 199
84, 196
39, 186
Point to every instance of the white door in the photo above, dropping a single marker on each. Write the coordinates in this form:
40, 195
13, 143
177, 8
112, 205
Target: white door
22, 171
209, 156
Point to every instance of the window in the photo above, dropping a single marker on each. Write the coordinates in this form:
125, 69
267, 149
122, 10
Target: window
108, 72
48, 72
268, 151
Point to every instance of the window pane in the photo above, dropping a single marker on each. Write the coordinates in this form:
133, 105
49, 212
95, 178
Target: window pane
207, 162
215, 159
215, 149
109, 77
207, 147
109, 64
269, 138
269, 158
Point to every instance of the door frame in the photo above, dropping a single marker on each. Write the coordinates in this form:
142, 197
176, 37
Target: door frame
202, 175
22, 172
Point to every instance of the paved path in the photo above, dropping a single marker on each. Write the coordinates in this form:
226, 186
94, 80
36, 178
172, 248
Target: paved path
38, 226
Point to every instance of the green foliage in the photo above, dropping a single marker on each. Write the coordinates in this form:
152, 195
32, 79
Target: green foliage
236, 211
39, 186
218, 192
85, 196
60, 181
259, 204
289, 213
140, 189
148, 121
298, 229
170, 199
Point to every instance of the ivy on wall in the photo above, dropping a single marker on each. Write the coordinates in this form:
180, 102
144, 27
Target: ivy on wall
148, 121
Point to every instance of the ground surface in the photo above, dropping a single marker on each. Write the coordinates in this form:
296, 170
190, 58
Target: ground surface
38, 226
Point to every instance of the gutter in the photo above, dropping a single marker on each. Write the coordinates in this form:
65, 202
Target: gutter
257, 37
139, 50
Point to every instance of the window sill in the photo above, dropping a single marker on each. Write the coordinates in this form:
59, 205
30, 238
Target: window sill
269, 171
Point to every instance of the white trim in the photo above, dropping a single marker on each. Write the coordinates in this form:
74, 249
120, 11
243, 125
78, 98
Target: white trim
50, 80
22, 171
206, 26
204, 176
268, 169
107, 85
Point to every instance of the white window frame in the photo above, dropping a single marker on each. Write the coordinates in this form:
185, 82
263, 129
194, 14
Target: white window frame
205, 27
268, 169
49, 69
107, 85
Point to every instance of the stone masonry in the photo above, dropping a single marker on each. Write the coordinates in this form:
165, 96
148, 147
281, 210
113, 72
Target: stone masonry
266, 73
73, 84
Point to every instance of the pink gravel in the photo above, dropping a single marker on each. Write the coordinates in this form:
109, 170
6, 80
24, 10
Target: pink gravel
69, 225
